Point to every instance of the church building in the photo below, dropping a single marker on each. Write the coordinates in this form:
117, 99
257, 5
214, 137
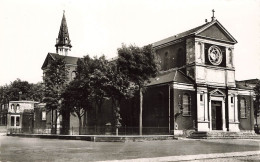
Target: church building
196, 88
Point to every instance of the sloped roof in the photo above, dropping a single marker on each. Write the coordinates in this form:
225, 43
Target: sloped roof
247, 84
172, 75
68, 59
178, 36
194, 31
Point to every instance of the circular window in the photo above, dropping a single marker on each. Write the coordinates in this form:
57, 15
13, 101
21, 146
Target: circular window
215, 55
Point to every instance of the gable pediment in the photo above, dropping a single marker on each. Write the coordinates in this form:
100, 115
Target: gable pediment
217, 92
217, 32
46, 61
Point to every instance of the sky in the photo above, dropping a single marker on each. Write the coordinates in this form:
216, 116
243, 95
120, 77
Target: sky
29, 28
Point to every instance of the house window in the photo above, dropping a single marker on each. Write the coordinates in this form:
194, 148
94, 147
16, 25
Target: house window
243, 108
166, 61
17, 121
186, 105
43, 115
12, 120
73, 75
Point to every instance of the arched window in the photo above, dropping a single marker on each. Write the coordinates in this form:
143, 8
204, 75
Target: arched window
180, 58
166, 60
186, 105
230, 56
73, 75
243, 108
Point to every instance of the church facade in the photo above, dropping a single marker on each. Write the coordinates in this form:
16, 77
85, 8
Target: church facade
195, 89
197, 66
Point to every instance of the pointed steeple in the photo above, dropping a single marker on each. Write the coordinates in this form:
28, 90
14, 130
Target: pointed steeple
63, 45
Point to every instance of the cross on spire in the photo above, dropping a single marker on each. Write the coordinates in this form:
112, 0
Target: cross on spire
213, 17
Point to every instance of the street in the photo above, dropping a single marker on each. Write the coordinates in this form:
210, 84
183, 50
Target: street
35, 149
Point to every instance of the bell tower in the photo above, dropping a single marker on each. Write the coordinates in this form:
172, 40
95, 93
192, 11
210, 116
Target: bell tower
63, 46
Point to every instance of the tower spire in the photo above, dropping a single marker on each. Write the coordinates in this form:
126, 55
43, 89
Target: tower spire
213, 17
63, 45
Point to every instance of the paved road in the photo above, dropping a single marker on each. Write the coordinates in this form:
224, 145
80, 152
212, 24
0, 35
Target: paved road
34, 149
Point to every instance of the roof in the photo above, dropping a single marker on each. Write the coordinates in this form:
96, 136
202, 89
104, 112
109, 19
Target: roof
195, 31
68, 59
24, 101
251, 81
247, 84
172, 75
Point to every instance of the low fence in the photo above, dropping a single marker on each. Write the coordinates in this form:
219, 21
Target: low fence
93, 130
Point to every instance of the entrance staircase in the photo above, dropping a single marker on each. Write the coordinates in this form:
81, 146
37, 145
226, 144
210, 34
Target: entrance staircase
224, 135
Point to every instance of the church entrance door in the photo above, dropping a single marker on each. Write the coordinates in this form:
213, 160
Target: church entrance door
216, 115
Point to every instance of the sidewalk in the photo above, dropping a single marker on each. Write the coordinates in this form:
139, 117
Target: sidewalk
192, 157
100, 138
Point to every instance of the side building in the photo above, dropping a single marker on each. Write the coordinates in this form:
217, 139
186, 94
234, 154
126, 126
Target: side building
20, 117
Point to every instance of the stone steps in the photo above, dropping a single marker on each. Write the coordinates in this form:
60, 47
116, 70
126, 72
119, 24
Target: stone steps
224, 135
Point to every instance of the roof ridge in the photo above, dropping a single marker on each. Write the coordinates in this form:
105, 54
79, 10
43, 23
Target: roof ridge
182, 34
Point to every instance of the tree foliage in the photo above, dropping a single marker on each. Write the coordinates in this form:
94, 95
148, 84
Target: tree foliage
55, 80
77, 96
139, 64
29, 91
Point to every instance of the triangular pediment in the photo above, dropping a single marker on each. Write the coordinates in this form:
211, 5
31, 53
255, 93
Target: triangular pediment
217, 32
46, 61
217, 92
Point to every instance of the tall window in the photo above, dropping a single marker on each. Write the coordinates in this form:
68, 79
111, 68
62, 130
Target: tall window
186, 105
43, 115
180, 58
73, 75
242, 108
17, 121
12, 120
166, 60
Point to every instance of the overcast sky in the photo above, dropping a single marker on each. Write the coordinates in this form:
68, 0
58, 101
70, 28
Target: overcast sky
28, 29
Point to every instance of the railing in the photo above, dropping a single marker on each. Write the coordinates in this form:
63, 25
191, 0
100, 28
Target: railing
93, 130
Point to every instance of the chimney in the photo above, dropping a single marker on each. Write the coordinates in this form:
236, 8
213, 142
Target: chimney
20, 95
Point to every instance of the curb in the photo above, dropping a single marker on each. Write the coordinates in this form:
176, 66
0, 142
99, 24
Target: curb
191, 157
99, 138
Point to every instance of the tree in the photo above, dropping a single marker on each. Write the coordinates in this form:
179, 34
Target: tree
55, 81
118, 88
98, 75
76, 99
36, 92
77, 96
139, 64
21, 89
18, 86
